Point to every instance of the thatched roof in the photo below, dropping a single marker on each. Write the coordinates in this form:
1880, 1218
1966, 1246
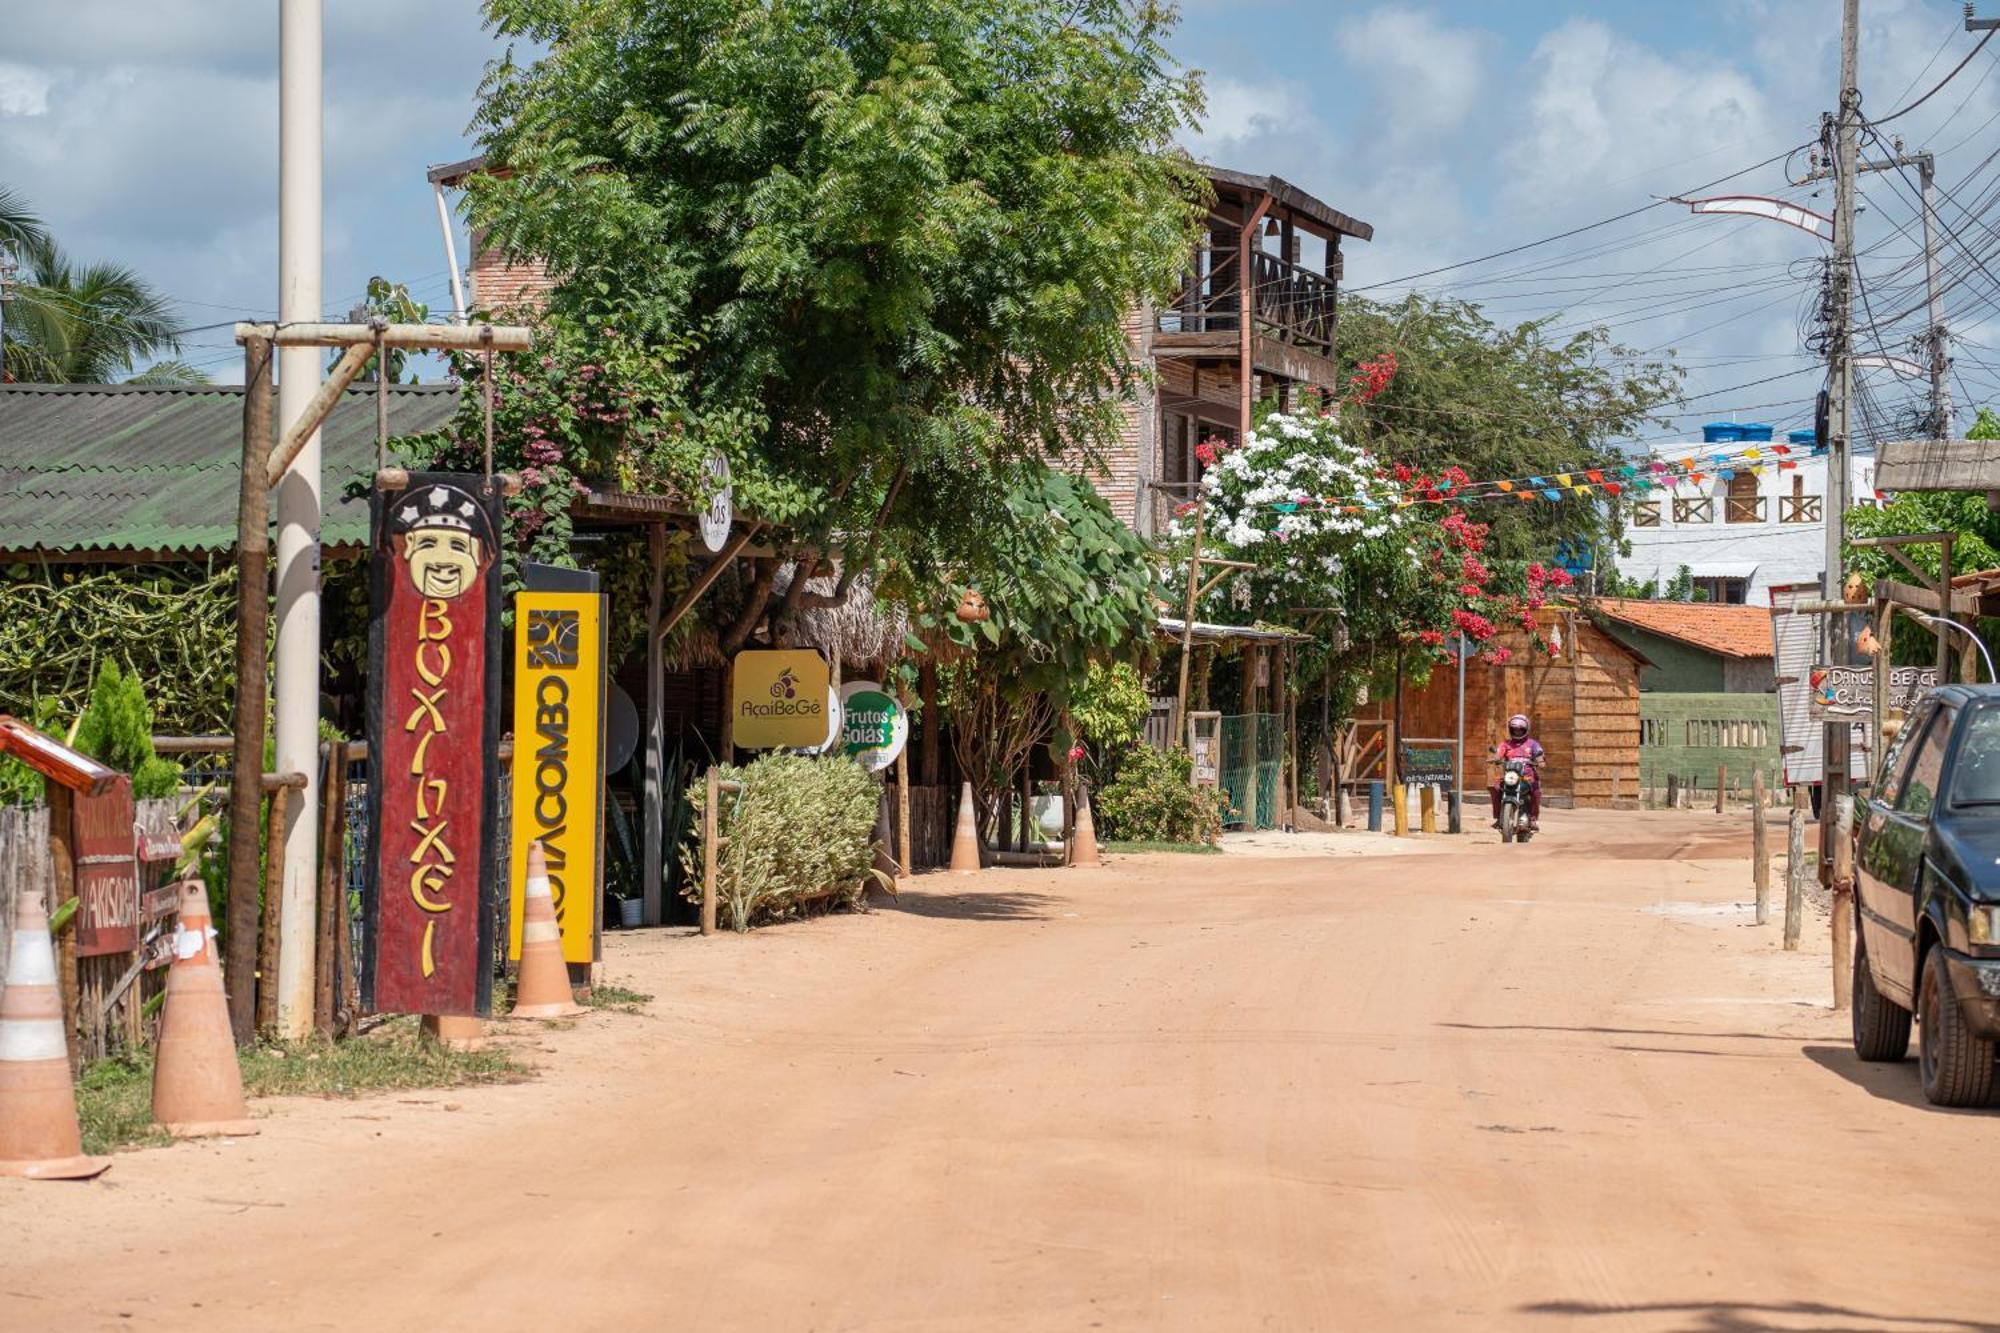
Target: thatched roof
863, 634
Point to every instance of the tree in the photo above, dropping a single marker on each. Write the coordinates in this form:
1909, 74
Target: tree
20, 229
1499, 402
71, 324
877, 254
393, 302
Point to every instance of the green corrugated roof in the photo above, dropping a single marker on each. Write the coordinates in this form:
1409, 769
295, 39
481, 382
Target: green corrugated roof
95, 468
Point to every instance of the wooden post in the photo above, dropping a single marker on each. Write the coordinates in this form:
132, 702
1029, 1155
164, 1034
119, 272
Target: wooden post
1183, 728
653, 792
1721, 785
253, 578
728, 713
709, 824
1795, 869
1843, 901
1760, 850
267, 951
1673, 791
332, 884
906, 841
1885, 615
1427, 816
347, 983
927, 684
62, 887
1027, 822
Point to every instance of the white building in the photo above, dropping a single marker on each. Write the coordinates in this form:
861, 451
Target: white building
1738, 535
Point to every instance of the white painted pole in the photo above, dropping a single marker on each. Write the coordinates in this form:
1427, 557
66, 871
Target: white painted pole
295, 673
450, 254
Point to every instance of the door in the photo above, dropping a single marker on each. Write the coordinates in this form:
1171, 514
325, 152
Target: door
1891, 849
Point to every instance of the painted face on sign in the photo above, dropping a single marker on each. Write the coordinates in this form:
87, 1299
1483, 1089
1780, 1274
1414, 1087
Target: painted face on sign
443, 561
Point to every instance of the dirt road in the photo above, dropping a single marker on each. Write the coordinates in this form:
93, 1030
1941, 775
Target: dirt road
1565, 1085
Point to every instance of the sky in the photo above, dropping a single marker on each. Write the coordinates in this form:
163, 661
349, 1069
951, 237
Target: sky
147, 134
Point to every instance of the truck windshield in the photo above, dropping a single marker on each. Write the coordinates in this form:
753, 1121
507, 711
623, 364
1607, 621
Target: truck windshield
1976, 777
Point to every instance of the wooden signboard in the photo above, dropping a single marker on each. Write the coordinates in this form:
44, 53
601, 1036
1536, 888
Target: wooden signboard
558, 777
434, 743
107, 872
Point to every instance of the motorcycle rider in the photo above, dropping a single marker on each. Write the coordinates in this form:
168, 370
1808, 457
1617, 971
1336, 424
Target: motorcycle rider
1520, 745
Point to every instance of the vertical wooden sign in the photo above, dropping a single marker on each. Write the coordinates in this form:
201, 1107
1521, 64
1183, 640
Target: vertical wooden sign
558, 777
107, 872
433, 747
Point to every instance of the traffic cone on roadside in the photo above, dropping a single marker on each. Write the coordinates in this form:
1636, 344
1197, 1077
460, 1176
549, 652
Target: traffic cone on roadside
39, 1136
1085, 833
965, 843
197, 1084
542, 988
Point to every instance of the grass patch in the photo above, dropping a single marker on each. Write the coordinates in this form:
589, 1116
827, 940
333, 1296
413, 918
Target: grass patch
1192, 848
114, 1098
616, 997
114, 1105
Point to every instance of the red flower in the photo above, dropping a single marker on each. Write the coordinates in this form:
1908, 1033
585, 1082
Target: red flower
1075, 753
1499, 656
1472, 569
1371, 378
1432, 637
1473, 625
1470, 590
1562, 578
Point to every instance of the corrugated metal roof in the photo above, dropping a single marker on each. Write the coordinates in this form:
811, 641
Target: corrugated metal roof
96, 468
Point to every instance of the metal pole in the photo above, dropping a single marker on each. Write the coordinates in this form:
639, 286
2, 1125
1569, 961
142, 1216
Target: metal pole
1940, 363
296, 658
450, 254
1458, 760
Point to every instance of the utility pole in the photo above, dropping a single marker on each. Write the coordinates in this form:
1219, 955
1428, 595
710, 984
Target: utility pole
1840, 379
7, 272
295, 665
1940, 362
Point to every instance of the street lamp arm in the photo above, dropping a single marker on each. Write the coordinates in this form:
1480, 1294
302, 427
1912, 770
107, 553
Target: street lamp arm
1977, 642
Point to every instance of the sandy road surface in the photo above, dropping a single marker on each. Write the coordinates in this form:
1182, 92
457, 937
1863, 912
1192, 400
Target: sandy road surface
1567, 1085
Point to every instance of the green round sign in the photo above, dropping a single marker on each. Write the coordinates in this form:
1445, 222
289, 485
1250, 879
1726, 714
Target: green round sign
874, 726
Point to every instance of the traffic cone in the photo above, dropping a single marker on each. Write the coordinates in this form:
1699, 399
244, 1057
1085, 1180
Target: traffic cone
455, 1032
965, 843
542, 988
197, 1084
39, 1136
1085, 833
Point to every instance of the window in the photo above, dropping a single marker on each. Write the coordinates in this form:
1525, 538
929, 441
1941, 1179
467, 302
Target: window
1694, 509
1743, 504
1889, 782
1975, 778
1798, 507
1919, 786
1652, 731
1645, 513
1725, 591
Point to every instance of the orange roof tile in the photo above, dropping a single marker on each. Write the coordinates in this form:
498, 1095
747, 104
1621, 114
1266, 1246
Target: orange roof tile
1731, 631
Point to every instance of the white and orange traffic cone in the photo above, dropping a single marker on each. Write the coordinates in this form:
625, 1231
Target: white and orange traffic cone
455, 1032
542, 988
965, 843
197, 1084
1084, 835
39, 1135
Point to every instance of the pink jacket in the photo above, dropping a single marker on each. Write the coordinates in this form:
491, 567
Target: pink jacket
1529, 749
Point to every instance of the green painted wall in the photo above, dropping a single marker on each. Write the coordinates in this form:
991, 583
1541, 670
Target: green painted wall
1680, 668
1691, 734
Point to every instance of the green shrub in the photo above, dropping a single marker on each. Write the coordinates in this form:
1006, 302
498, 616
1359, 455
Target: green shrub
800, 835
117, 729
1153, 800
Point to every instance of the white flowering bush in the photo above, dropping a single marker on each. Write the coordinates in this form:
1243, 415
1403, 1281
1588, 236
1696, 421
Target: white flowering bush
1298, 501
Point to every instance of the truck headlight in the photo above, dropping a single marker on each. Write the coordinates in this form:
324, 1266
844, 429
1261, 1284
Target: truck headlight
1983, 925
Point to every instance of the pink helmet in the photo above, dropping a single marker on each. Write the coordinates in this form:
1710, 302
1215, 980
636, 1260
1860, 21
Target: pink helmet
1517, 727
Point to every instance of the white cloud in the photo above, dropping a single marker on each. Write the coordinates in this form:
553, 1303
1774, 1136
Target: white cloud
24, 91
1428, 77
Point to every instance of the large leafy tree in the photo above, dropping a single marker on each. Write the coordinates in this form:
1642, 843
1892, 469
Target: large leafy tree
877, 253
1500, 402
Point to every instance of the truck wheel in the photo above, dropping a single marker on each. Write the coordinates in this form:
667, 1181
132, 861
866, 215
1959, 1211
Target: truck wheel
1957, 1066
1881, 1026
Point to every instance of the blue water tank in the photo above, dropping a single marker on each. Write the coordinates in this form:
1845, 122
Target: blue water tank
1805, 437
1721, 432
1753, 431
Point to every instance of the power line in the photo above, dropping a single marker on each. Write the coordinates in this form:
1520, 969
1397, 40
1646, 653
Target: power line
1941, 82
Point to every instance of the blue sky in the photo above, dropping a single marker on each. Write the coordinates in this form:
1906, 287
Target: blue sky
148, 134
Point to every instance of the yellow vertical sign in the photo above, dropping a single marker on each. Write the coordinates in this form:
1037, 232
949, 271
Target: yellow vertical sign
558, 780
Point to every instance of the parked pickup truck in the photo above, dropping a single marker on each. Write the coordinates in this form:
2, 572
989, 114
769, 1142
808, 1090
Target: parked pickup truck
1927, 858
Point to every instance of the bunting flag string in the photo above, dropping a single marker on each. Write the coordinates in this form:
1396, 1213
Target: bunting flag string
1636, 477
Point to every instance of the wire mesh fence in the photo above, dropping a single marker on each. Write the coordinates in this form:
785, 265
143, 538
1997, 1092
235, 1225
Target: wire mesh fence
1251, 746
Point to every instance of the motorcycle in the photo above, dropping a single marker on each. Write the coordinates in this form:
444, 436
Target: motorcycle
1516, 778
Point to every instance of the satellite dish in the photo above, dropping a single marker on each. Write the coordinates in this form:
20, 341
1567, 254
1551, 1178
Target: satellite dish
621, 729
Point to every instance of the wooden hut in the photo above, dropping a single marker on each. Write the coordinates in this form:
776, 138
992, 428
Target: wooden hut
1581, 694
